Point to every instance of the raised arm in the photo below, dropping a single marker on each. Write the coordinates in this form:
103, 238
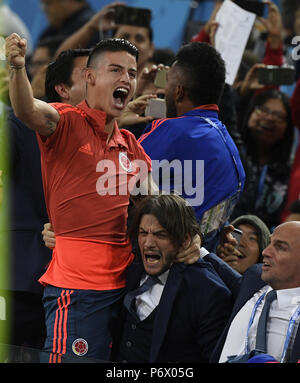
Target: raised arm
102, 21
36, 114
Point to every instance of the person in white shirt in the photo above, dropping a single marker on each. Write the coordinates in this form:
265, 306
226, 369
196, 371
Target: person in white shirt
280, 271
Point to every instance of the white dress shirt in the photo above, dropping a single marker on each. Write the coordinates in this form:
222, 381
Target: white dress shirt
146, 302
281, 311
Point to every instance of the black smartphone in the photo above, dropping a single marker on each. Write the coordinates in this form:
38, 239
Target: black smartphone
132, 16
276, 75
237, 234
254, 6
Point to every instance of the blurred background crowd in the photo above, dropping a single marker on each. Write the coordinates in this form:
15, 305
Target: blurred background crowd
261, 111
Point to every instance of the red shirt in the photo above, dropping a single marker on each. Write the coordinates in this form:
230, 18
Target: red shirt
86, 191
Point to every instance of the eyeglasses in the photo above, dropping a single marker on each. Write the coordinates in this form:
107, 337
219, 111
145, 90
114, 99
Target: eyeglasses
277, 116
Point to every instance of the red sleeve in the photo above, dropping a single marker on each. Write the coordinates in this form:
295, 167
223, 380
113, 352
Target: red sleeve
294, 186
273, 56
202, 36
295, 102
64, 139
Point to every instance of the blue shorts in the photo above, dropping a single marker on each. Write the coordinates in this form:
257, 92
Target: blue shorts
80, 322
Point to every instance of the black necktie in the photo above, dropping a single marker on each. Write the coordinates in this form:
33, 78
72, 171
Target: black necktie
129, 298
262, 323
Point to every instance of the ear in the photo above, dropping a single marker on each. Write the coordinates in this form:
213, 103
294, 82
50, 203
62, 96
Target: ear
179, 93
63, 91
187, 242
89, 76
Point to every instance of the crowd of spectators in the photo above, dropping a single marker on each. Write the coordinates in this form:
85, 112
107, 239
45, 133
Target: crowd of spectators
260, 191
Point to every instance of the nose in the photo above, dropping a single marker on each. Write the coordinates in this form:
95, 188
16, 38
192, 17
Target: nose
125, 77
267, 251
149, 241
243, 241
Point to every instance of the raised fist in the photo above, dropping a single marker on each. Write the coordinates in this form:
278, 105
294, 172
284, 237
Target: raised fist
15, 50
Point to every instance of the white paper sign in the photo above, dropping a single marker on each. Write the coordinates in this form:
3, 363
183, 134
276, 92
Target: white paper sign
234, 27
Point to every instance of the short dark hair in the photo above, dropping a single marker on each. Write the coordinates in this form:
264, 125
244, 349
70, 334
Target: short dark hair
202, 70
60, 71
173, 213
112, 45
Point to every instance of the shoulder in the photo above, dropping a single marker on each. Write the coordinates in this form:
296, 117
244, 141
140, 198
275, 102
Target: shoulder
160, 127
251, 281
253, 271
202, 274
127, 135
64, 109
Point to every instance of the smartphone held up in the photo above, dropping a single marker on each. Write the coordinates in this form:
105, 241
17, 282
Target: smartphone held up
276, 75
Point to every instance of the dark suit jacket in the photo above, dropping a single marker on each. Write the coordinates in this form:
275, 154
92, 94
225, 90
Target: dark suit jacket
251, 283
193, 310
29, 255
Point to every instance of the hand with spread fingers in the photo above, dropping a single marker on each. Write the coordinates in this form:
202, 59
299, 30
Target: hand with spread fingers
134, 112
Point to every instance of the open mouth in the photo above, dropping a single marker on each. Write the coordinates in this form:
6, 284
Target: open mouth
152, 258
267, 128
266, 265
120, 95
264, 128
240, 254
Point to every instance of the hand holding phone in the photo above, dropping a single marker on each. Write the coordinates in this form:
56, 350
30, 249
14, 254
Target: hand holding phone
156, 108
132, 16
160, 80
257, 7
276, 75
237, 234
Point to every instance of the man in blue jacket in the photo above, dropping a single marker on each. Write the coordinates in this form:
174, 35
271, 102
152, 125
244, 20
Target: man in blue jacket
191, 151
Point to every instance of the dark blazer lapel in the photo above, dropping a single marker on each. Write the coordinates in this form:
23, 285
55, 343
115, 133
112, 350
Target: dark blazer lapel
164, 308
251, 283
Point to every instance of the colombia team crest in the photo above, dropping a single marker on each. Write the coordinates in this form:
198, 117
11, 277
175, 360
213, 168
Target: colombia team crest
125, 162
80, 347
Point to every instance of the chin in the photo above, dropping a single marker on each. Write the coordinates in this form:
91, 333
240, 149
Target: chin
153, 271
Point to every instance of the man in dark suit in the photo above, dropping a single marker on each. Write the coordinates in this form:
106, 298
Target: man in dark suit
280, 271
181, 317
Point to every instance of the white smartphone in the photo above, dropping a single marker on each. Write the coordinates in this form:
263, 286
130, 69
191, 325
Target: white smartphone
156, 108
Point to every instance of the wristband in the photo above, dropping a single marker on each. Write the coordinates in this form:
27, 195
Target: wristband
17, 67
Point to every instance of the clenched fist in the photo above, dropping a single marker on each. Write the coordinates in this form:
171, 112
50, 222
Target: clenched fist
15, 50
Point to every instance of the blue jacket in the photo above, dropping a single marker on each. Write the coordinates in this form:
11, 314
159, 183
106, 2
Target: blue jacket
190, 139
